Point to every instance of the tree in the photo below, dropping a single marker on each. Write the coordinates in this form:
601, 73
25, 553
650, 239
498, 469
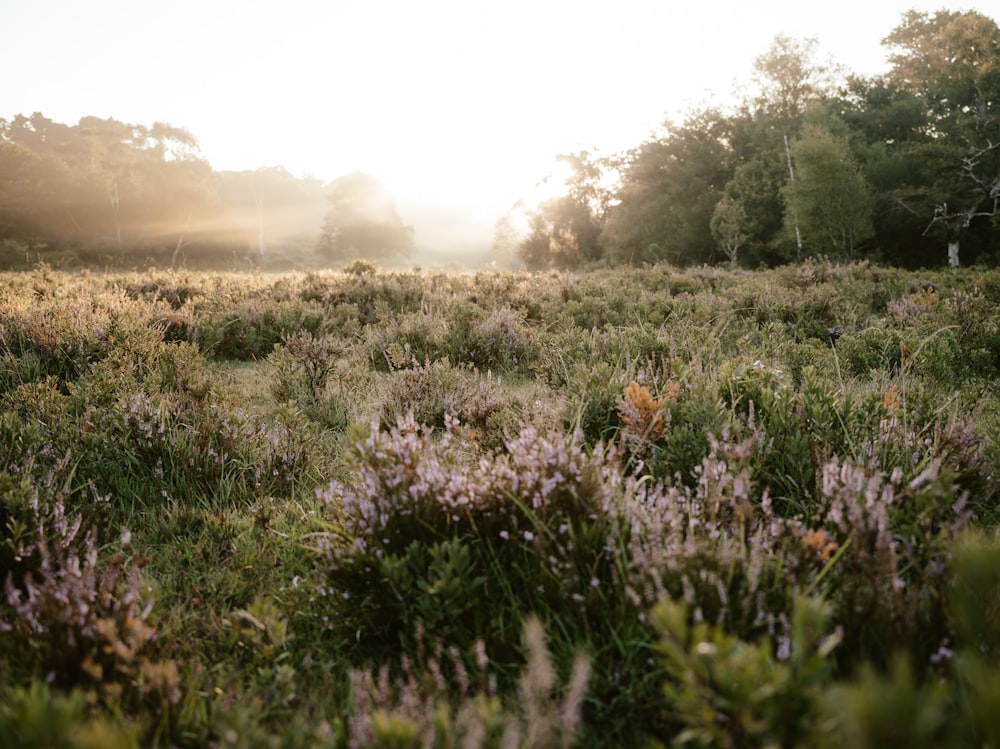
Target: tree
564, 230
788, 78
887, 129
951, 62
362, 223
563, 234
270, 211
788, 82
728, 226
101, 182
669, 188
829, 199
506, 240
756, 187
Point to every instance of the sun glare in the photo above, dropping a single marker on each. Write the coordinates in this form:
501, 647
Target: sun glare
556, 182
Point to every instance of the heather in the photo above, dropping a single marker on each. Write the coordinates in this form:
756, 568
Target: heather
633, 507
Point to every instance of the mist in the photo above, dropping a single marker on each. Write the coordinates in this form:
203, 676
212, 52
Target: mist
108, 193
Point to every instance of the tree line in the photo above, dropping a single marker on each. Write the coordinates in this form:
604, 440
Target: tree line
111, 193
902, 168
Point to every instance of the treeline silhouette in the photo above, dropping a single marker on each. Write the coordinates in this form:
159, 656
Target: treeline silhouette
110, 193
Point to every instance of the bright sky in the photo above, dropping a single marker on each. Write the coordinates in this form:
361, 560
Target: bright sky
457, 103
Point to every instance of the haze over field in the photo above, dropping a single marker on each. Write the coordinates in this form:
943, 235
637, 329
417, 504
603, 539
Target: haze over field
459, 107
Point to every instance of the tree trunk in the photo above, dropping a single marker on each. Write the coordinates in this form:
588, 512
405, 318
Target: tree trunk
260, 223
115, 208
952, 253
177, 251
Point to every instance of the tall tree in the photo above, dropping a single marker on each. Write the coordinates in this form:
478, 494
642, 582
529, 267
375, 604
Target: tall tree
951, 61
756, 186
668, 193
564, 231
101, 182
362, 223
829, 200
788, 77
271, 210
786, 83
887, 127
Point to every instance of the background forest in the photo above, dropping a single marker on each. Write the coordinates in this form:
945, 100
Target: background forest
902, 168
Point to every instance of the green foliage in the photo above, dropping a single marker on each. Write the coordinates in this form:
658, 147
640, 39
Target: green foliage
500, 341
593, 393
37, 718
878, 709
437, 392
829, 202
415, 709
300, 370
725, 692
250, 328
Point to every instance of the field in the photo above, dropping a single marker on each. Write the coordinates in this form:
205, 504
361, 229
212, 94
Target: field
643, 507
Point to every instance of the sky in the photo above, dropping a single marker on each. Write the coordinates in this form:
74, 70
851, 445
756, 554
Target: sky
460, 106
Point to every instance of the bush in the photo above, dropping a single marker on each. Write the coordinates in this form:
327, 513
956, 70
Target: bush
83, 617
499, 342
40, 718
426, 538
726, 692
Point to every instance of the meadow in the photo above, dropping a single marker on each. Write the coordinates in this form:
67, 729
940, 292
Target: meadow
635, 507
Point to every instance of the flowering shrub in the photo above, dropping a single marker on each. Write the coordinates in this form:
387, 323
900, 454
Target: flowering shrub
433, 391
299, 370
425, 536
419, 707
404, 340
84, 617
499, 342
532, 508
466, 548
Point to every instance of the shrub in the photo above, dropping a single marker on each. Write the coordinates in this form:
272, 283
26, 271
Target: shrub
433, 392
249, 326
870, 349
426, 537
592, 392
403, 340
38, 717
418, 706
727, 692
83, 617
499, 342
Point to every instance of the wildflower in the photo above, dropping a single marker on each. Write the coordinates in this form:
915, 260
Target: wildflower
820, 542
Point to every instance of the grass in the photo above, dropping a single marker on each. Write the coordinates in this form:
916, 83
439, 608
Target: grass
620, 508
